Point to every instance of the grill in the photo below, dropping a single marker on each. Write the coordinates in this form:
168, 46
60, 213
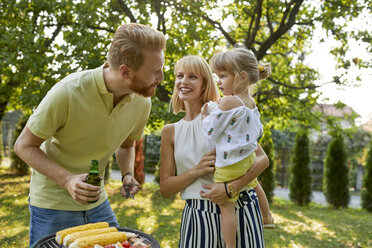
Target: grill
49, 241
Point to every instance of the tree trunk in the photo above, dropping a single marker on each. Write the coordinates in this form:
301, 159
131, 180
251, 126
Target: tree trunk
139, 164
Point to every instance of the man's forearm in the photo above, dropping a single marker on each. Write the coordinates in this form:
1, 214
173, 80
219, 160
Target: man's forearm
37, 159
125, 158
27, 147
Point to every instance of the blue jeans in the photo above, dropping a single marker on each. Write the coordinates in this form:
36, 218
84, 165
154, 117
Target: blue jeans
44, 222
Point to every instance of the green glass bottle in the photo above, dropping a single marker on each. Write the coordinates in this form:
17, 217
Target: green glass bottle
93, 177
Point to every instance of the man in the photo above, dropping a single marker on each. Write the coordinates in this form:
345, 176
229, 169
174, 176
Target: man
89, 115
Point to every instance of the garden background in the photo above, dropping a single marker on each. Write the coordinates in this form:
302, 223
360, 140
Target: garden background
305, 137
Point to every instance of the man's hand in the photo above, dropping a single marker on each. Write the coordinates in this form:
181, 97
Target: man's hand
80, 191
216, 193
130, 187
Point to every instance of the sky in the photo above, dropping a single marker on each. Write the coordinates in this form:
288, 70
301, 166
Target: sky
357, 97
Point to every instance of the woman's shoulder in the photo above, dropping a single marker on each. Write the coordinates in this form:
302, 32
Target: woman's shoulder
167, 128
167, 133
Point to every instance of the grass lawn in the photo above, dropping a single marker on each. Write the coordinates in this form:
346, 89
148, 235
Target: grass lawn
311, 226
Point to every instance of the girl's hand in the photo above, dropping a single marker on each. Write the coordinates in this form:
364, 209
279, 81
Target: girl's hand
216, 193
204, 111
206, 164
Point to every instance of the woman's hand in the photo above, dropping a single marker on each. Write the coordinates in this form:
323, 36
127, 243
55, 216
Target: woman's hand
216, 193
205, 166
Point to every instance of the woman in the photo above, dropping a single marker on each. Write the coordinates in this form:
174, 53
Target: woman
187, 167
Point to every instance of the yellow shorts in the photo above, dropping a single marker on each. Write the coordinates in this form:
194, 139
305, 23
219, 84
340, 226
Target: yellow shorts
234, 171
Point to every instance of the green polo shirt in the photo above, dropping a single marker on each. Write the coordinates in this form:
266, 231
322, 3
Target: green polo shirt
78, 122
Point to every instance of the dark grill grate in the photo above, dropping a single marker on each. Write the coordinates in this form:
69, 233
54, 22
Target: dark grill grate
49, 241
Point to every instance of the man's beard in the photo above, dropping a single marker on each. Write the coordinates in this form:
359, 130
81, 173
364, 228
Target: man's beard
138, 86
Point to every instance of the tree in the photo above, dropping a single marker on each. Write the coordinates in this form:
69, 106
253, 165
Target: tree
300, 181
366, 193
336, 182
43, 41
283, 143
139, 162
356, 142
267, 178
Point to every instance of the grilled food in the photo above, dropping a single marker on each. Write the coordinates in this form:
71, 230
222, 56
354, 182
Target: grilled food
74, 236
99, 239
62, 234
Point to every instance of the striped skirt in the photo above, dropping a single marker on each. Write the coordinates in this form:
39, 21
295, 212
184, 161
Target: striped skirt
201, 223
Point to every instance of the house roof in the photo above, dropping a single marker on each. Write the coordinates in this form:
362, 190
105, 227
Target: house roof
368, 126
334, 110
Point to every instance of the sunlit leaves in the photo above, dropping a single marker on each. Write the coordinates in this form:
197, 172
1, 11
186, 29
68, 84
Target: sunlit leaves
43, 41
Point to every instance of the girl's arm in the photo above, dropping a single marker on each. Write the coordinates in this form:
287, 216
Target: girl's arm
170, 184
217, 192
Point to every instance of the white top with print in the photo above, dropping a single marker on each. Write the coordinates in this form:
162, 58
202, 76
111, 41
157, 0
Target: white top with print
234, 132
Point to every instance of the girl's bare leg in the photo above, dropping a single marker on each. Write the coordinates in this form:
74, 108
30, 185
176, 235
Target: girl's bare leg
228, 222
268, 220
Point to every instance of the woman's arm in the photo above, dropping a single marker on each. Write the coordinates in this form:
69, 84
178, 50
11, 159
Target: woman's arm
217, 192
170, 184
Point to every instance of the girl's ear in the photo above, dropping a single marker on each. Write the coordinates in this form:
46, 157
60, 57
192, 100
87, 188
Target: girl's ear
243, 74
124, 71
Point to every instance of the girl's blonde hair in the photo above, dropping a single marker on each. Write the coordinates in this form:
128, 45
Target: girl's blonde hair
198, 65
129, 42
236, 61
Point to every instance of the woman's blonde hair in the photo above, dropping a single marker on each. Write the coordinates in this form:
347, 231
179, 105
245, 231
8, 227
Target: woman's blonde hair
199, 66
129, 41
236, 61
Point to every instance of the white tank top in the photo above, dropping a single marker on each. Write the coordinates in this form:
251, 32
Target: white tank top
189, 147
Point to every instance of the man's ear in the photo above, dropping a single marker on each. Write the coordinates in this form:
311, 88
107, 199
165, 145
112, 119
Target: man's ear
124, 71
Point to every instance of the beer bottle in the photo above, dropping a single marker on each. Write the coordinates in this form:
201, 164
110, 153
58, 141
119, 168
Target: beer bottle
93, 177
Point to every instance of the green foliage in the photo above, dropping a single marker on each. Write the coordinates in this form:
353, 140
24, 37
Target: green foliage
44, 41
366, 195
357, 144
300, 181
1, 146
152, 152
157, 173
283, 143
336, 183
267, 178
18, 166
107, 173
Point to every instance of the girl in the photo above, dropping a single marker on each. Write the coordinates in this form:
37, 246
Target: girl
187, 166
233, 127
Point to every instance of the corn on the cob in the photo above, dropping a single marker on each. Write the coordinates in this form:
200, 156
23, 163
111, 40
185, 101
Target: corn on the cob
99, 239
61, 234
68, 239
